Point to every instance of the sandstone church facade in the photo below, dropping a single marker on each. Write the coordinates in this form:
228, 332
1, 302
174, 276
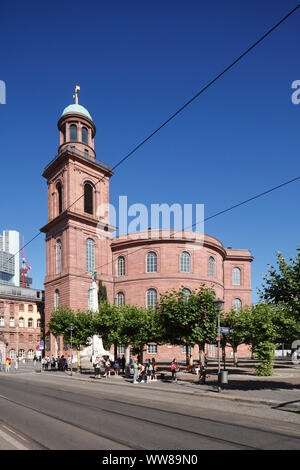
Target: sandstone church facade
135, 268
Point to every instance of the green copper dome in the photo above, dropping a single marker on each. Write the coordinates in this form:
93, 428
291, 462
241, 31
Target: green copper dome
76, 108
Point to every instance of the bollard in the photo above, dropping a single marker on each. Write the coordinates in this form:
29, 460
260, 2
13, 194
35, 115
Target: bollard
224, 377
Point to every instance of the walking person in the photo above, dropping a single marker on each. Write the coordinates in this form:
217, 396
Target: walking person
142, 373
7, 365
154, 370
107, 367
174, 370
52, 362
117, 367
149, 369
97, 365
34, 360
135, 371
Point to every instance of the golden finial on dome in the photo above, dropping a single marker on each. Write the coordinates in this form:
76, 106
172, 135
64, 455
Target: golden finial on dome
77, 88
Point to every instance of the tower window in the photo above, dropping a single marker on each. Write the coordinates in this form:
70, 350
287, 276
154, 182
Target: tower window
88, 198
73, 133
90, 255
58, 257
84, 135
64, 132
59, 192
57, 298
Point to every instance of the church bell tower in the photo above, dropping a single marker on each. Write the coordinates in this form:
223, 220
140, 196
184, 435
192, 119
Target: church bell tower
78, 234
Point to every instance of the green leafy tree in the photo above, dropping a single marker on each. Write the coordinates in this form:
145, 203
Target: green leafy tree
188, 320
102, 293
239, 322
60, 322
282, 285
270, 324
127, 325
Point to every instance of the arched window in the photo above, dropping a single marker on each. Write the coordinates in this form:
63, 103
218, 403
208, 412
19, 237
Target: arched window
121, 266
120, 298
90, 255
58, 257
30, 322
64, 132
236, 277
186, 292
21, 322
185, 262
211, 266
151, 262
88, 198
30, 354
73, 133
237, 304
59, 197
12, 354
57, 298
151, 298
38, 323
84, 135
21, 353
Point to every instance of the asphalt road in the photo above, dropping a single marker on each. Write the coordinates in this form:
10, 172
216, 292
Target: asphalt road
40, 411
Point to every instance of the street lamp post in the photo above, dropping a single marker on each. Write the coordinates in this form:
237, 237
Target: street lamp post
71, 329
218, 308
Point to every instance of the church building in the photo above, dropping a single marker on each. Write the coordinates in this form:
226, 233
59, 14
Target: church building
135, 268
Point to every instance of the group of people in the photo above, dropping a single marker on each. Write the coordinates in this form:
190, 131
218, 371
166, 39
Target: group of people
116, 366
144, 373
60, 363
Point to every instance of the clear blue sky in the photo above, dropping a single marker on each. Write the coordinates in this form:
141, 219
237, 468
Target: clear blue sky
136, 63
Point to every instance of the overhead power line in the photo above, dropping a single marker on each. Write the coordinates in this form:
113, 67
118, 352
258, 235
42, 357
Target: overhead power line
238, 59
217, 214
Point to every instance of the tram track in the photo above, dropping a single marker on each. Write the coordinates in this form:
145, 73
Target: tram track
162, 422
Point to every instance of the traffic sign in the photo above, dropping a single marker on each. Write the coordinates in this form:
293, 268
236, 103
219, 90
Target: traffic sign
218, 338
37, 347
225, 330
41, 345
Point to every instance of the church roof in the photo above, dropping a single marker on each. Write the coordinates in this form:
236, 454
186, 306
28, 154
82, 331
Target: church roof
76, 108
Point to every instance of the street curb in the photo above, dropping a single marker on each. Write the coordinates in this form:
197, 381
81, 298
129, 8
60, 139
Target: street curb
206, 393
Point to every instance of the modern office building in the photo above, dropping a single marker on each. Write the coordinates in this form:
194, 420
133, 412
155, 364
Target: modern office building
10, 257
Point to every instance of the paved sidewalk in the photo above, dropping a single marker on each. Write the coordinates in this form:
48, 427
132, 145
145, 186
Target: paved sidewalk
281, 390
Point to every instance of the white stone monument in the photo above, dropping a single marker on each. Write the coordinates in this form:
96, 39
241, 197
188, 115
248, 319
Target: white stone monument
96, 348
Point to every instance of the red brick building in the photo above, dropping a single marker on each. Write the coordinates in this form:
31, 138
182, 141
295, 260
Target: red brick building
135, 268
21, 321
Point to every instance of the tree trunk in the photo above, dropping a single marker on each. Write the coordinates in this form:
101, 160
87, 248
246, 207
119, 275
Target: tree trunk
191, 356
141, 354
235, 356
127, 356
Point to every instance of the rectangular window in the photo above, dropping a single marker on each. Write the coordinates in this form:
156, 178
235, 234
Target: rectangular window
1, 321
152, 349
121, 350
